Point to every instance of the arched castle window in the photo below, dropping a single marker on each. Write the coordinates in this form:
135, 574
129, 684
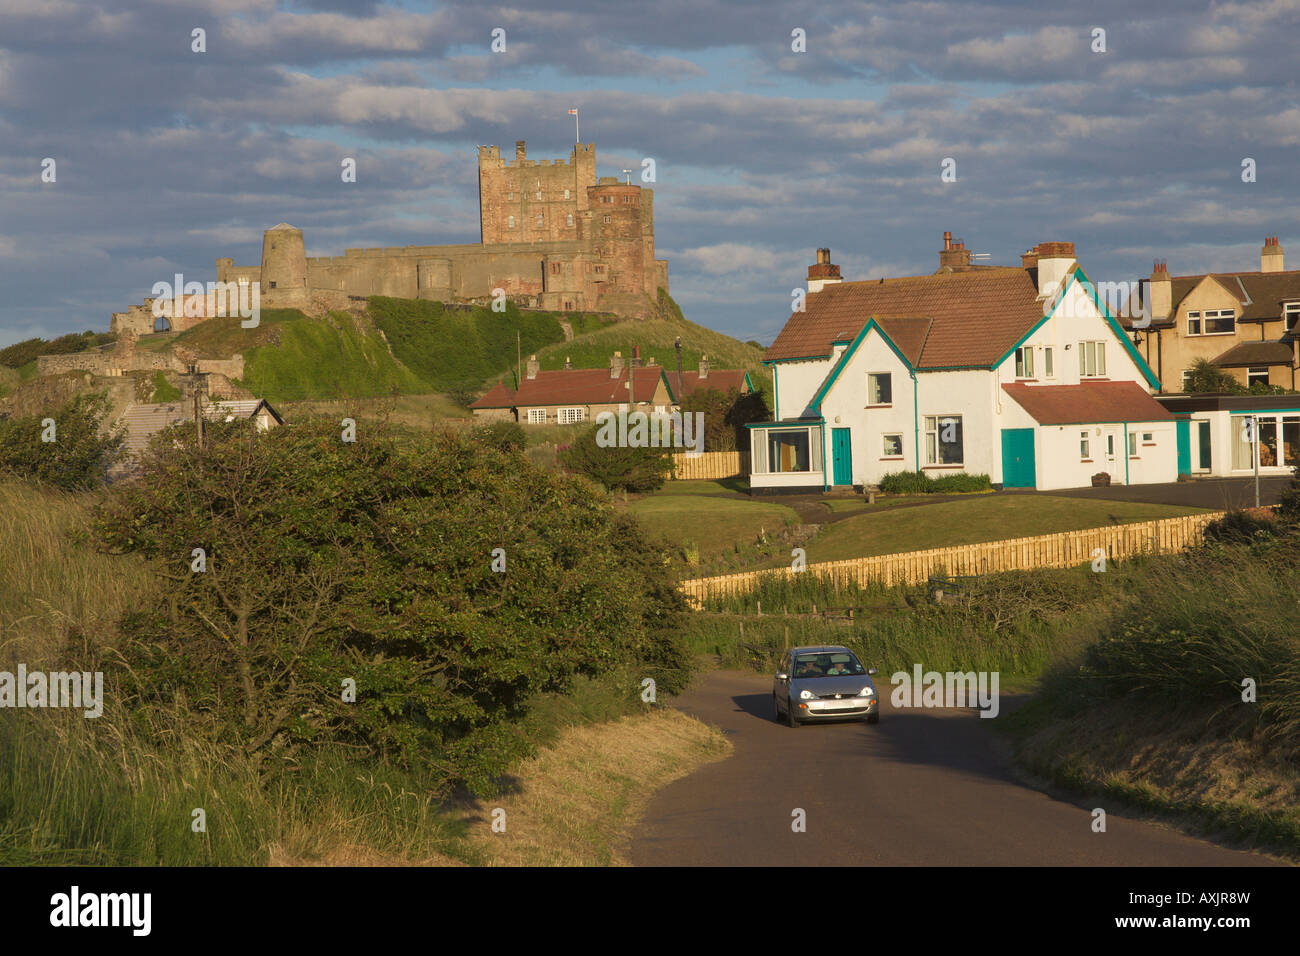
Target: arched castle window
570, 218
161, 324
539, 220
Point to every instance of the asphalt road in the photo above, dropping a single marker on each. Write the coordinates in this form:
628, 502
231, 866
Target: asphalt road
931, 788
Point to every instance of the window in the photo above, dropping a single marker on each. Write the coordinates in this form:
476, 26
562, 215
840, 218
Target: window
537, 416
892, 446
511, 223
1222, 322
1148, 438
789, 451
880, 388
539, 194
1092, 359
570, 220
607, 219
569, 416
1213, 322
1084, 446
539, 220
1187, 380
555, 268
510, 197
1025, 362
566, 196
1254, 375
600, 270
943, 445
1132, 444
1048, 371
1290, 315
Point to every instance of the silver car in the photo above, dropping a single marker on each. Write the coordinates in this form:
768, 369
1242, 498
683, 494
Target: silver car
823, 683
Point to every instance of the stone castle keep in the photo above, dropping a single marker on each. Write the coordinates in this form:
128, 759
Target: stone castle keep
553, 236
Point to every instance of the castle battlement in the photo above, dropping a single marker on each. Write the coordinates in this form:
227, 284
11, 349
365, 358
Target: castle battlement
552, 235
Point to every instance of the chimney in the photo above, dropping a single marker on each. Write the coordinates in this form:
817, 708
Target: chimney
954, 256
1162, 291
704, 366
1054, 261
519, 150
567, 362
530, 370
616, 365
1270, 257
636, 356
822, 273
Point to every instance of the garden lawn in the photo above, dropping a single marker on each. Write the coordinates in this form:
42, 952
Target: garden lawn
975, 519
714, 525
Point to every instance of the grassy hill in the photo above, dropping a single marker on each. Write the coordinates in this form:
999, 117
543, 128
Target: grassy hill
655, 336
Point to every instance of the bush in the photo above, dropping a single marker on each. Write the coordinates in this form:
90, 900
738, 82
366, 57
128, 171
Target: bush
919, 483
80, 455
373, 562
503, 436
20, 353
1244, 525
616, 467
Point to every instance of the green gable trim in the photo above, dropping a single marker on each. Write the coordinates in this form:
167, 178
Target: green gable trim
816, 403
1078, 275
796, 423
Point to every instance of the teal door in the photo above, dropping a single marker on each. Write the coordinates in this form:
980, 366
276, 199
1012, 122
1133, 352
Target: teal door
1017, 458
1183, 428
841, 456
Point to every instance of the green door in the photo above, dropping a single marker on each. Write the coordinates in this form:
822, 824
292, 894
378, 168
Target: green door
1183, 429
841, 456
1017, 458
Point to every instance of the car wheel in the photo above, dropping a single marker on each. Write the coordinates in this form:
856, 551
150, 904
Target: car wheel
790, 718
873, 718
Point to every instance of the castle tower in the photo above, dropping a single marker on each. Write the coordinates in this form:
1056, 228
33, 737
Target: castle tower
284, 267
529, 200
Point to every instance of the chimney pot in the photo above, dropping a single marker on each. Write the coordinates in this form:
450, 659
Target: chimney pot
1270, 257
947, 241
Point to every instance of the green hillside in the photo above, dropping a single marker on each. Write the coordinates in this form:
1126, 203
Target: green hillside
655, 337
460, 347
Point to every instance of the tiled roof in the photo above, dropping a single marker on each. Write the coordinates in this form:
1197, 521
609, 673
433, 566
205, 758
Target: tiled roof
1087, 402
974, 318
1255, 353
1260, 293
723, 379
575, 386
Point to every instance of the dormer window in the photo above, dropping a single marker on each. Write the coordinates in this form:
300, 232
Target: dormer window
1291, 315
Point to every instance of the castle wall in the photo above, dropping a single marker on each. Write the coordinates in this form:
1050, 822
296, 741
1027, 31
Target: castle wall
525, 201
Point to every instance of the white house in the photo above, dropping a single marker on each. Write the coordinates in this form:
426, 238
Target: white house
1224, 433
1020, 373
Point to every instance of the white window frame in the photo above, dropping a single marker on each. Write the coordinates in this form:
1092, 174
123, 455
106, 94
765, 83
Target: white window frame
569, 221
571, 416
1254, 373
1200, 326
1049, 367
537, 416
884, 448
1025, 362
511, 223
1290, 315
1219, 314
934, 447
888, 381
1132, 444
1085, 445
1187, 373
1092, 354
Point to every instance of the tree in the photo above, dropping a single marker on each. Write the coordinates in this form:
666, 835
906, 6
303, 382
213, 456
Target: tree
1207, 377
80, 450
617, 467
725, 416
451, 581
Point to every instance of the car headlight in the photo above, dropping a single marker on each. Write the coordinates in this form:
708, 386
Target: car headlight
867, 692
805, 695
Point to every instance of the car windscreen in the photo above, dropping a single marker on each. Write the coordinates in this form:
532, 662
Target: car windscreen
827, 664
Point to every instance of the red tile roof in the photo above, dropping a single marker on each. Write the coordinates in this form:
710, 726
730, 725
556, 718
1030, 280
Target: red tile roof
945, 320
723, 379
1087, 403
575, 386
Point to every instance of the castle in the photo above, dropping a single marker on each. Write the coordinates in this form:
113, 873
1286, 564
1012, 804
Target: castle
553, 236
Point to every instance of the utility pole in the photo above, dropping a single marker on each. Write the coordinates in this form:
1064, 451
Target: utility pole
677, 344
519, 356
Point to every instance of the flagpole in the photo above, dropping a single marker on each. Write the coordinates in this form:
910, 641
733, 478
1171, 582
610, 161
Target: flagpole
577, 136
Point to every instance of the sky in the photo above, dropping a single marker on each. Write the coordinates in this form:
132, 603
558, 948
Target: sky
1128, 142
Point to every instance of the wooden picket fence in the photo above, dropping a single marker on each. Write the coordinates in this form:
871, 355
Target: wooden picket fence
711, 464
1062, 550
